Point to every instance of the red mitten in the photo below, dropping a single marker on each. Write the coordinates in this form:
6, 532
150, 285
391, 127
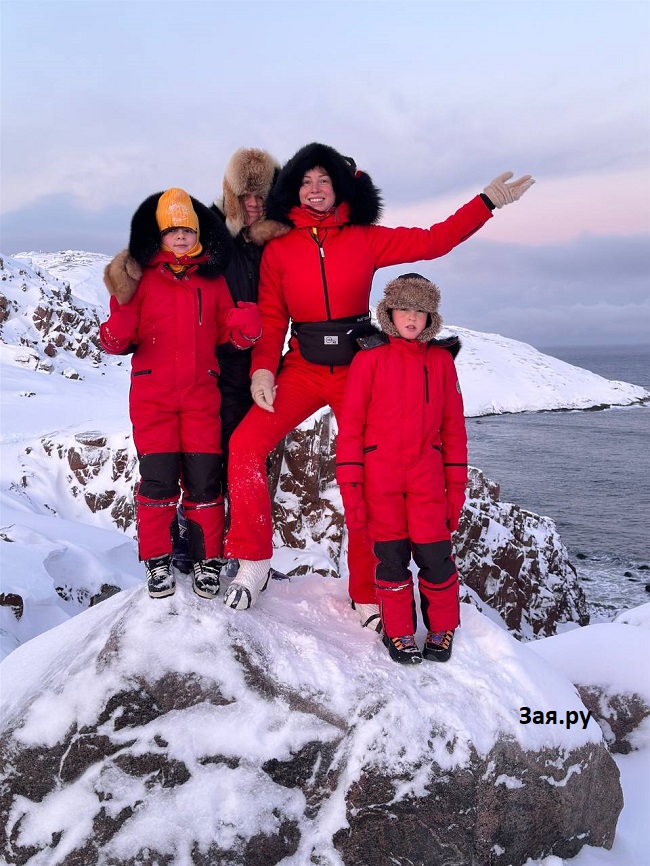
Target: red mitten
245, 324
455, 502
354, 505
121, 329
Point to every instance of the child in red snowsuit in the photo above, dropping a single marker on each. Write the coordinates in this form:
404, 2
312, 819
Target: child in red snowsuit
401, 464
180, 312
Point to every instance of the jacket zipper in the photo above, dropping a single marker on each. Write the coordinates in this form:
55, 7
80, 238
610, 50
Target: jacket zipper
314, 234
198, 292
426, 385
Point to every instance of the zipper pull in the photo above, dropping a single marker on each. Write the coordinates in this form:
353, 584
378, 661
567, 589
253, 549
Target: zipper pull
314, 232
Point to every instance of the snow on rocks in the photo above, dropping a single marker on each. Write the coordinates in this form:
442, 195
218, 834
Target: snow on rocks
617, 688
130, 728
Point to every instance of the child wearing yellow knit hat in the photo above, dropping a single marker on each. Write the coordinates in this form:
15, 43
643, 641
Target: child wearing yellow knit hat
180, 312
178, 223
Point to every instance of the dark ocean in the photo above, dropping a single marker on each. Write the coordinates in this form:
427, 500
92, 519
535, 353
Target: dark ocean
587, 470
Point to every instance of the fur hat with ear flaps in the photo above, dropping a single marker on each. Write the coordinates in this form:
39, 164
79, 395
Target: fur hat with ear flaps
249, 170
144, 241
410, 292
350, 185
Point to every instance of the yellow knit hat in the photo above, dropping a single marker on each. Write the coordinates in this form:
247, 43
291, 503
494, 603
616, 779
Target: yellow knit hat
175, 210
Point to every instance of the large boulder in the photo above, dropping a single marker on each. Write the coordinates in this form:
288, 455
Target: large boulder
182, 732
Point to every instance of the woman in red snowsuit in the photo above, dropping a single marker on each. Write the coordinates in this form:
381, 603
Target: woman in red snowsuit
318, 276
181, 311
401, 458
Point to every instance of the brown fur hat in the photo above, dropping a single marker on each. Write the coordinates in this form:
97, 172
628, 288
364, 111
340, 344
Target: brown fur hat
249, 170
410, 292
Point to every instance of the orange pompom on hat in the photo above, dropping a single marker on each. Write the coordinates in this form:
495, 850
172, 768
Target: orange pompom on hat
175, 210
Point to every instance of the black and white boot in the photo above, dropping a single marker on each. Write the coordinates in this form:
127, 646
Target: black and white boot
252, 579
205, 577
369, 616
160, 579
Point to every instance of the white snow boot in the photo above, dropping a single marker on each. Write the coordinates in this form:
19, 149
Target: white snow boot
252, 578
369, 616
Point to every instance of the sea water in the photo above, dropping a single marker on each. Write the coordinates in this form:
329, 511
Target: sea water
587, 470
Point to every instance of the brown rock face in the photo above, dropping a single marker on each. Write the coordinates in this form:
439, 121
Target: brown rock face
471, 816
618, 715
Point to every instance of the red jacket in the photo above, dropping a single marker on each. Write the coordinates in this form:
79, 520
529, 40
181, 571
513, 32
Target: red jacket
174, 324
308, 278
402, 402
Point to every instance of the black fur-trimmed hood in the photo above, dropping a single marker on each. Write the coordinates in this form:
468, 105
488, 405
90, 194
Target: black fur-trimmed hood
144, 241
350, 185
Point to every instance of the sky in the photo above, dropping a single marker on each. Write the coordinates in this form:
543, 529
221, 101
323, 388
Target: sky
104, 103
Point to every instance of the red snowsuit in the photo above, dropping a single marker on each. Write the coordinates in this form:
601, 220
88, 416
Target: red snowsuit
175, 322
402, 435
315, 275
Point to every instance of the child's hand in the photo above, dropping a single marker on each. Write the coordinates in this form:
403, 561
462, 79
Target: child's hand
354, 504
121, 329
455, 502
245, 324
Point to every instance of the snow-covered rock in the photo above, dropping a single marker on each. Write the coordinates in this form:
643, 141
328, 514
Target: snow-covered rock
182, 732
617, 688
42, 325
501, 375
82, 271
637, 616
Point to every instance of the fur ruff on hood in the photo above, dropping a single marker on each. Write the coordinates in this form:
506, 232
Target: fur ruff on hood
214, 237
122, 276
410, 292
249, 170
350, 185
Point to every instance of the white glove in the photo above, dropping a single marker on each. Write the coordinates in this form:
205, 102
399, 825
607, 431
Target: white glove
499, 192
263, 389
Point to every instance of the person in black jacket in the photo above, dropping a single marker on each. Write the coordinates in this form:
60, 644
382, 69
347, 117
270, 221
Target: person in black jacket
249, 175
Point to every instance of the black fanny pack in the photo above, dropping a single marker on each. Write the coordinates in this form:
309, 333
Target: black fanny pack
332, 343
